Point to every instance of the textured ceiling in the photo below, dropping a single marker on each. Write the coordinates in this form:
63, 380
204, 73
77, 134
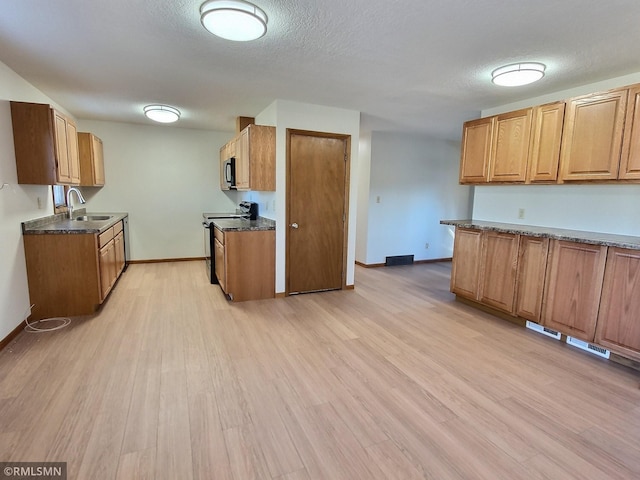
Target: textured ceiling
413, 65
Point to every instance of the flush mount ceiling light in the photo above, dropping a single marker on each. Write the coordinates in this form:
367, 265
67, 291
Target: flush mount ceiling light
518, 74
233, 19
162, 113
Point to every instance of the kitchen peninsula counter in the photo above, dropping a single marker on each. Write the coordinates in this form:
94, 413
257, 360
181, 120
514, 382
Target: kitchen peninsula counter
579, 236
244, 225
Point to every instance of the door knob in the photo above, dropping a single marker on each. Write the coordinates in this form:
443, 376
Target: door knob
294, 225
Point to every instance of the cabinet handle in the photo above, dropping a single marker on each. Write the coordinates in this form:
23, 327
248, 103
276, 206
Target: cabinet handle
294, 225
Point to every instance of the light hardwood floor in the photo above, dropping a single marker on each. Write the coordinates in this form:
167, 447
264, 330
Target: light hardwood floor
394, 380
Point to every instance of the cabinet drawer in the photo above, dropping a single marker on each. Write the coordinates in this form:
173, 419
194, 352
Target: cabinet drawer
218, 235
117, 228
105, 237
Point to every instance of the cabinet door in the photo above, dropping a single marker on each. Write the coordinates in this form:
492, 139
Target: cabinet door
118, 244
510, 149
220, 265
572, 292
61, 148
98, 161
476, 150
630, 160
465, 271
107, 268
619, 318
243, 153
499, 263
532, 266
592, 137
546, 136
72, 152
262, 157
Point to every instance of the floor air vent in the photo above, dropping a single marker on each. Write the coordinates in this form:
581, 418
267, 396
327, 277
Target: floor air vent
543, 330
587, 347
399, 260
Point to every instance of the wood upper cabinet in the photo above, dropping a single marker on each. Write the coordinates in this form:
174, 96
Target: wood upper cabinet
256, 158
46, 145
476, 150
73, 154
254, 150
499, 266
546, 136
532, 266
91, 160
575, 272
243, 160
630, 159
467, 257
510, 146
619, 317
592, 136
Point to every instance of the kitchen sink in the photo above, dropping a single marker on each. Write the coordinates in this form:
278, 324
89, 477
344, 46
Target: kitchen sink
92, 218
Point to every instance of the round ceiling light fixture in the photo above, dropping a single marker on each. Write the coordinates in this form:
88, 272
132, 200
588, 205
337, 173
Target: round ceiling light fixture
235, 20
162, 113
517, 74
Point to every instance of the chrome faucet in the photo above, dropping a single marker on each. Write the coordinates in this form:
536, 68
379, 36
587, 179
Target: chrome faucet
80, 198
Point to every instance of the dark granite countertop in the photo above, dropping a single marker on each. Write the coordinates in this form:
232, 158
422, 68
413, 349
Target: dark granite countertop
242, 225
594, 238
60, 223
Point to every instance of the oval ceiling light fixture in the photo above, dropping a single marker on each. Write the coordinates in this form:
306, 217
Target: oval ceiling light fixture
162, 113
517, 74
235, 20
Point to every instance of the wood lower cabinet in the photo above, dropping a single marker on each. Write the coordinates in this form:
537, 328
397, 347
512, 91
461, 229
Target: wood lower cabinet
91, 160
245, 264
510, 146
575, 272
72, 274
46, 145
592, 136
619, 316
499, 268
467, 258
532, 267
476, 150
111, 254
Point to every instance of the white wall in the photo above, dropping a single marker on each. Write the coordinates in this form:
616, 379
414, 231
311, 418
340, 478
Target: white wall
17, 204
413, 185
165, 177
286, 114
608, 208
363, 197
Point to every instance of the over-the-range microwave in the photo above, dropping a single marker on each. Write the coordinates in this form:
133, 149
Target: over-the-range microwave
229, 172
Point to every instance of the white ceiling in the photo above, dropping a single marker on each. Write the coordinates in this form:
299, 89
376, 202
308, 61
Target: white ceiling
414, 65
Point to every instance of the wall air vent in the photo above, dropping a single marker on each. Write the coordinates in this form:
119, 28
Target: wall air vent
587, 347
399, 260
543, 330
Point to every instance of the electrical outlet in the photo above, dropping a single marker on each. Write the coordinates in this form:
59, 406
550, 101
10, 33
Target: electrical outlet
426, 245
521, 213
378, 199
40, 203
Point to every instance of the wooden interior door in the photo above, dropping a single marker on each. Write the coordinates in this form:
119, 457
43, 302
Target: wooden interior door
316, 211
